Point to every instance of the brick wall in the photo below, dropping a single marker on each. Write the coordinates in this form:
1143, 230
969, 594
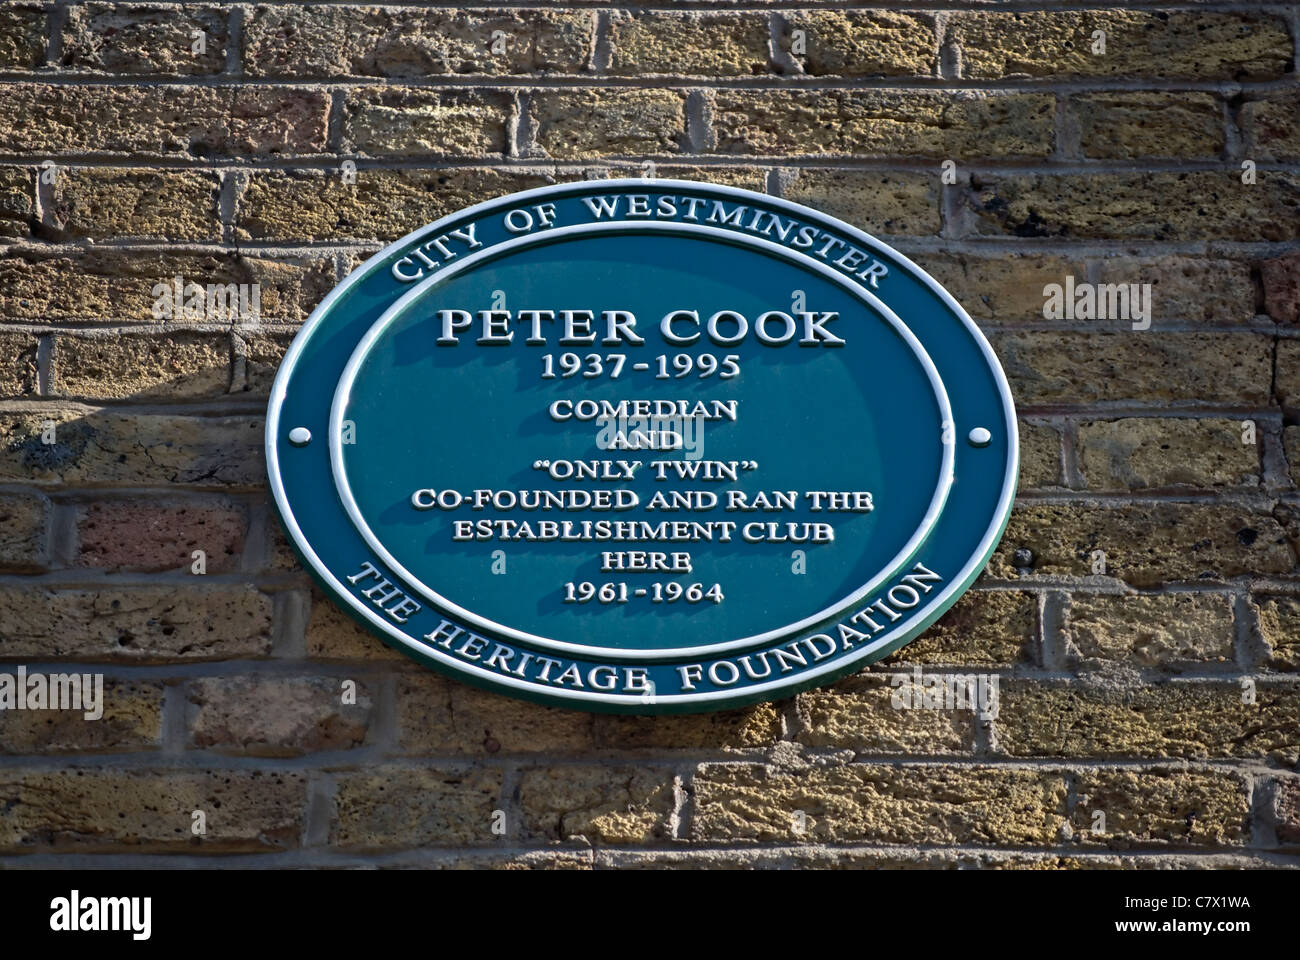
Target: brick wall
1161, 693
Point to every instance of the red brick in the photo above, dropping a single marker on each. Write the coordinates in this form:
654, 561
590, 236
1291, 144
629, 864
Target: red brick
276, 717
145, 535
1281, 278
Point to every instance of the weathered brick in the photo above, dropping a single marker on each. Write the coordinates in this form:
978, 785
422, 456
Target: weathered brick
18, 372
402, 807
984, 628
1040, 456
141, 366
1082, 368
1171, 719
151, 536
1191, 206
276, 717
1137, 125
186, 122
879, 203
91, 810
1281, 280
784, 858
1268, 127
1000, 289
1173, 630
860, 714
17, 202
139, 624
23, 519
689, 44
820, 857
106, 203
1287, 377
549, 859
1144, 543
436, 716
1286, 808
1140, 453
862, 43
397, 121
1279, 624
1287, 514
747, 178
381, 205
1177, 807
262, 353
882, 804
22, 36
131, 719
316, 42
97, 447
1139, 43
876, 122
280, 556
756, 726
1091, 861
57, 284
139, 39
601, 804
589, 123
1185, 289
332, 634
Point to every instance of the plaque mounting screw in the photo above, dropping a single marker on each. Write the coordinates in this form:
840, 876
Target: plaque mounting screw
979, 437
300, 436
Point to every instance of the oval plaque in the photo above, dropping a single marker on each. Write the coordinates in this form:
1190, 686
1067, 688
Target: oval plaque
642, 446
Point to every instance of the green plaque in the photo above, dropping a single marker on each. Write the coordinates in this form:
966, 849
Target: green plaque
642, 446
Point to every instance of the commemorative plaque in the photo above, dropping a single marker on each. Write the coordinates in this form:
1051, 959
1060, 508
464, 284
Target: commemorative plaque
642, 446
